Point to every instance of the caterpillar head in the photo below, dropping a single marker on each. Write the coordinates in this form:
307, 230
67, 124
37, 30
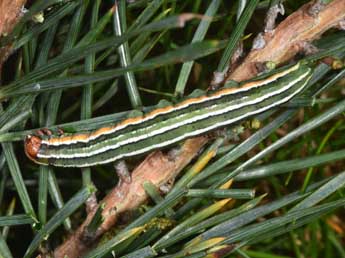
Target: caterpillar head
32, 146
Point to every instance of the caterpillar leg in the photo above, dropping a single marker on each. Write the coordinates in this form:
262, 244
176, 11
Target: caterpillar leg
44, 132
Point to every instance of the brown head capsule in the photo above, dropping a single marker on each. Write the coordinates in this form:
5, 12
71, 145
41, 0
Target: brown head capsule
32, 146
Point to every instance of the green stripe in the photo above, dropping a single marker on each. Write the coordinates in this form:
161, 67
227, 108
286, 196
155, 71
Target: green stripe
168, 137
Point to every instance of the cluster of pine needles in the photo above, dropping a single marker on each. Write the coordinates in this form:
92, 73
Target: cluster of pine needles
80, 65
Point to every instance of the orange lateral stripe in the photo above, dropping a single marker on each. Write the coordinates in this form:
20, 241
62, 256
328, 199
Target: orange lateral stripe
128, 121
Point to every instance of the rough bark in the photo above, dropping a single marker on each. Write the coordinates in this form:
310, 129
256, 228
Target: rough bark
291, 36
10, 13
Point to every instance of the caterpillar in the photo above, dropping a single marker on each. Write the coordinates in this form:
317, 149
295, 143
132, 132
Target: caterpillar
168, 125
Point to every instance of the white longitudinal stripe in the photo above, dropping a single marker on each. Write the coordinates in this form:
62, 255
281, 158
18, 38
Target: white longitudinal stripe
170, 127
187, 135
88, 149
242, 89
181, 116
174, 126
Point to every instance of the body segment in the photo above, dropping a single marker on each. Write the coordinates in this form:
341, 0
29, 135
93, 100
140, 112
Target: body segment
165, 126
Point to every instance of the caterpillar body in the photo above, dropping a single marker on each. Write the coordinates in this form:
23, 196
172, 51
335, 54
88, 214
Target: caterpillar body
165, 126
